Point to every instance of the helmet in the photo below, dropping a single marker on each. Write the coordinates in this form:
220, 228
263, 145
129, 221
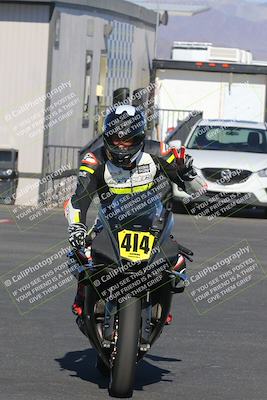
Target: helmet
124, 134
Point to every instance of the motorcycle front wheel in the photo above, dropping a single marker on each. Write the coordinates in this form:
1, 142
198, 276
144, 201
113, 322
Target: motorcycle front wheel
123, 370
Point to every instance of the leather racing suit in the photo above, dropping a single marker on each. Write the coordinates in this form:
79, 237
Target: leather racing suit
98, 176
151, 174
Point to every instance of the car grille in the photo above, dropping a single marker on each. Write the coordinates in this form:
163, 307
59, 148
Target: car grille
221, 197
224, 176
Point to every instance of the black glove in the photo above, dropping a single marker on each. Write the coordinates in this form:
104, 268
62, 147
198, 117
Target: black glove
77, 236
186, 170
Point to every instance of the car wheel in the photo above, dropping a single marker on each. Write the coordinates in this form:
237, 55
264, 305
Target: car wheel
9, 201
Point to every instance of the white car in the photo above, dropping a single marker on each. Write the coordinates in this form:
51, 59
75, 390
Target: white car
232, 157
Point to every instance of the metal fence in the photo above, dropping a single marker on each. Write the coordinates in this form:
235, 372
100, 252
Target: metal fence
171, 118
57, 156
60, 175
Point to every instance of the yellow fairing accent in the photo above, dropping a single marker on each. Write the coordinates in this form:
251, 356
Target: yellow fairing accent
87, 169
129, 190
171, 159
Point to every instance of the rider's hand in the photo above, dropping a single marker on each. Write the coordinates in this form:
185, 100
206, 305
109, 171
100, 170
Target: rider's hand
77, 236
186, 169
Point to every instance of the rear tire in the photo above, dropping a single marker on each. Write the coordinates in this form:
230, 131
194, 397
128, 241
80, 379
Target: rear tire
123, 371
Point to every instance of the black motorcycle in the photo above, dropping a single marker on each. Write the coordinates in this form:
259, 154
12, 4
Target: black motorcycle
129, 287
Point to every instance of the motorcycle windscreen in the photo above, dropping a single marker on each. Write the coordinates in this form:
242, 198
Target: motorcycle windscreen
105, 250
129, 220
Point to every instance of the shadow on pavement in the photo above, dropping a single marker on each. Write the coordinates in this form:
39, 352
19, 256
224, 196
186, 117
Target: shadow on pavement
82, 364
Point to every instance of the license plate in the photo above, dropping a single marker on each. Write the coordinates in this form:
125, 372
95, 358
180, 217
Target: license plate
134, 245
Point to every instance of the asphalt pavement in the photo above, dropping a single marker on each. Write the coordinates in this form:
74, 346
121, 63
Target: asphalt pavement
218, 354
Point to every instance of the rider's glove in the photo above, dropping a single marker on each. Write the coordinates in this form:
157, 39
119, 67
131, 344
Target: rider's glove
186, 170
77, 236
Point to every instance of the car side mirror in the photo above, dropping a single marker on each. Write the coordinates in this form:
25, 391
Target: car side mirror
175, 143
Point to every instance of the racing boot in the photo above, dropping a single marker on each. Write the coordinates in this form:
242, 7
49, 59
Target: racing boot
179, 267
77, 306
169, 319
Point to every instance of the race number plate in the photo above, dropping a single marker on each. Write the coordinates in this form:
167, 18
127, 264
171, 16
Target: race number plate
135, 246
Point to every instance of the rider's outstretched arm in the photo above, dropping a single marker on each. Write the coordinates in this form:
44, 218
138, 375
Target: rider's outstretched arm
182, 173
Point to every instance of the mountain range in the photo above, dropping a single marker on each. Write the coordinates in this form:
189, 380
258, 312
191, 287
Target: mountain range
229, 23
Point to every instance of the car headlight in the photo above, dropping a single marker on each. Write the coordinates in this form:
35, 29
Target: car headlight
263, 173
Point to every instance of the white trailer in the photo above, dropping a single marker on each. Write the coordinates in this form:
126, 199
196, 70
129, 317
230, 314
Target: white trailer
220, 90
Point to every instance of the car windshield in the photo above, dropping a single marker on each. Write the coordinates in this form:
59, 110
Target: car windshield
229, 139
5, 155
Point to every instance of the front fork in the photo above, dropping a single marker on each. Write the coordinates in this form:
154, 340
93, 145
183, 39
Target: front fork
146, 317
109, 325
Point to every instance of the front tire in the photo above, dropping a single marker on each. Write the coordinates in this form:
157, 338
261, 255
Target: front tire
123, 371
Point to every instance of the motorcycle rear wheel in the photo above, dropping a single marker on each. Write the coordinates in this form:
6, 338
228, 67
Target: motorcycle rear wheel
123, 371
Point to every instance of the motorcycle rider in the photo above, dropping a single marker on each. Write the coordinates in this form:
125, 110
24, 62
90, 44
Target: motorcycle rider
125, 165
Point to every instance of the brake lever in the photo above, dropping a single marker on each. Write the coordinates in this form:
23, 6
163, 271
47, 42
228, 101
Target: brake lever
186, 256
185, 250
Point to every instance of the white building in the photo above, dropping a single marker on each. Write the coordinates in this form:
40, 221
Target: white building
59, 61
222, 83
